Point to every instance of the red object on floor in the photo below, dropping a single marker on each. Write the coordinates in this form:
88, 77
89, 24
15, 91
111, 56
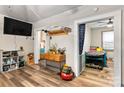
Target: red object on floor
65, 76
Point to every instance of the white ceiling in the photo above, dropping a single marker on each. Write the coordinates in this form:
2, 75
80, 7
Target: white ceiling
33, 13
99, 24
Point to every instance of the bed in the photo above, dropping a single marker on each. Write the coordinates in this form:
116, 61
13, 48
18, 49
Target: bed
94, 58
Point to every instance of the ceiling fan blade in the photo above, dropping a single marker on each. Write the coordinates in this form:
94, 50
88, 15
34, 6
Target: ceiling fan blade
102, 22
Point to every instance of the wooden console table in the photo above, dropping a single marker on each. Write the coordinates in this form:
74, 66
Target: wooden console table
56, 58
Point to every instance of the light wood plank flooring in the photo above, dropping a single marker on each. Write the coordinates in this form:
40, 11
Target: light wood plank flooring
34, 76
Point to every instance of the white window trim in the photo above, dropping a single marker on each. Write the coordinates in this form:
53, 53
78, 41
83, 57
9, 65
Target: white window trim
102, 40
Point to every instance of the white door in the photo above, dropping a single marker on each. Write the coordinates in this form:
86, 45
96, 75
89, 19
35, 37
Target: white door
82, 62
37, 37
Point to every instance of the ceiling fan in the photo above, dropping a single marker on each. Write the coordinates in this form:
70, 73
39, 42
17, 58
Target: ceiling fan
108, 23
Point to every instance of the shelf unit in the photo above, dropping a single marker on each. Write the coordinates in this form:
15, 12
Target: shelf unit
57, 32
62, 31
11, 60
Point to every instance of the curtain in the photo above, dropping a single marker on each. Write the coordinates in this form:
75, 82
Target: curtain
81, 37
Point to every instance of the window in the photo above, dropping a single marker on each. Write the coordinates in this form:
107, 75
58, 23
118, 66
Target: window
108, 40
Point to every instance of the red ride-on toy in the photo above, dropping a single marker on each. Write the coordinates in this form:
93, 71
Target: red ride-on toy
67, 73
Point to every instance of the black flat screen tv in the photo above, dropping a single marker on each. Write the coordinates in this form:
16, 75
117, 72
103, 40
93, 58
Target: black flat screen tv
16, 27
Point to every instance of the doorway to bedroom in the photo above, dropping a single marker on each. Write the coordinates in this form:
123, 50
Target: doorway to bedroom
116, 15
97, 52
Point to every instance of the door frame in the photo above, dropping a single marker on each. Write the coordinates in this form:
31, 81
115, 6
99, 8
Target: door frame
37, 37
117, 38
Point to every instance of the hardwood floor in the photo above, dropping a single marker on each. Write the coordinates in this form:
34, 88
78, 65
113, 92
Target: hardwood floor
34, 76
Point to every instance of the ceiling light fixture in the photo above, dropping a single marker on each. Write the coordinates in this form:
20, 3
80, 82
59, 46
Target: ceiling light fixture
110, 23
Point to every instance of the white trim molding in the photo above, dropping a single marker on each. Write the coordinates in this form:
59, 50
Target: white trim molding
37, 37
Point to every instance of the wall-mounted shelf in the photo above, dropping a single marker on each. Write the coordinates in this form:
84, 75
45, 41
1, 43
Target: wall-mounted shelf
57, 32
63, 31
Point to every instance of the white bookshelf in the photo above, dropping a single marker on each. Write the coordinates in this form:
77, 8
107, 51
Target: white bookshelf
11, 60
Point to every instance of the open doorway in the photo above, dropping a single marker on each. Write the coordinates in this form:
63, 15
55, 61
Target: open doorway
98, 50
42, 42
117, 46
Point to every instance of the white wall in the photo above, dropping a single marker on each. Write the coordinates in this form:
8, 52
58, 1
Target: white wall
11, 42
87, 39
96, 37
67, 42
63, 41
68, 18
